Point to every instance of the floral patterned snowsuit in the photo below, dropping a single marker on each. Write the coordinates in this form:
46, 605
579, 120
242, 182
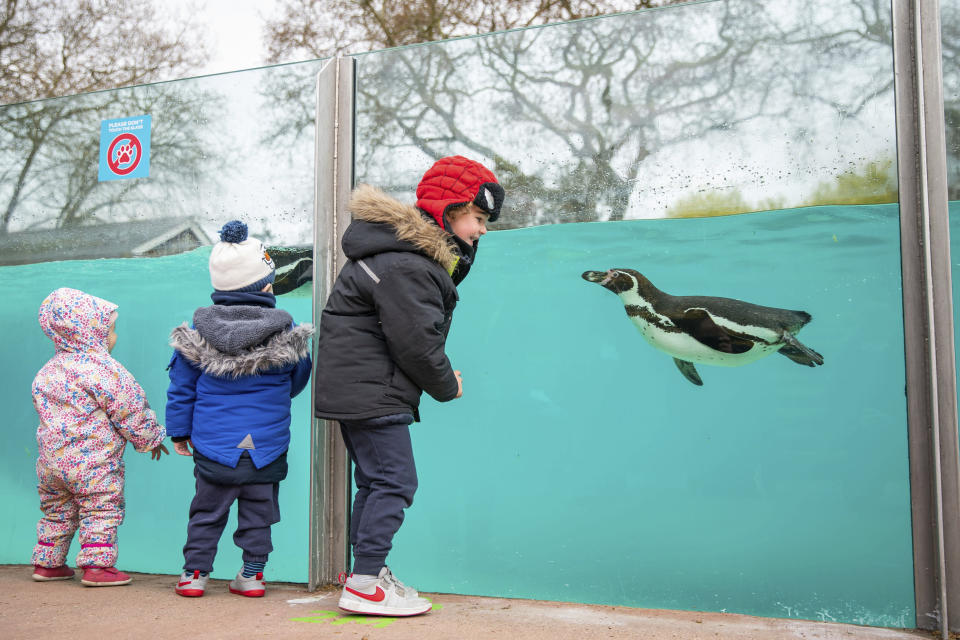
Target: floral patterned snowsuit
89, 407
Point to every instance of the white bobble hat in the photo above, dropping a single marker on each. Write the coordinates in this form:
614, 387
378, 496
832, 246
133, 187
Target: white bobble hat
239, 263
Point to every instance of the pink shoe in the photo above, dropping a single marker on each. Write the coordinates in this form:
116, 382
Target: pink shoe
104, 577
45, 574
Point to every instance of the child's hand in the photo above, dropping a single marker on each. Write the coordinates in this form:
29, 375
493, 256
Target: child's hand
158, 451
183, 448
459, 383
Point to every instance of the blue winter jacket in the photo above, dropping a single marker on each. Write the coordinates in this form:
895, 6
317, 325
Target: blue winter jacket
232, 376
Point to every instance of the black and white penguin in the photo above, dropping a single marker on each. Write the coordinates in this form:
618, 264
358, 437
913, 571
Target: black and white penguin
704, 329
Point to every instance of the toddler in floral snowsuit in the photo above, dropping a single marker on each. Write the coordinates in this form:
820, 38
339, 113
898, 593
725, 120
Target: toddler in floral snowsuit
89, 407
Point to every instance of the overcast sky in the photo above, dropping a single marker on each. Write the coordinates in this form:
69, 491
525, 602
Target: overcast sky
235, 28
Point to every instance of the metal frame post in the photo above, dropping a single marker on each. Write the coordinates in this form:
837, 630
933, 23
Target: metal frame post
928, 314
329, 465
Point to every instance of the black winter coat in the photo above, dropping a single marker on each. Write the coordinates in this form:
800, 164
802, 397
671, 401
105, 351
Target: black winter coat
383, 331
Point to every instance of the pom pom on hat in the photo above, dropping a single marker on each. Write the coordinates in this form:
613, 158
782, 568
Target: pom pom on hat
233, 231
238, 262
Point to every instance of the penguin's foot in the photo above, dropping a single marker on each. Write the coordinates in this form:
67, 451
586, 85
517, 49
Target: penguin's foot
689, 371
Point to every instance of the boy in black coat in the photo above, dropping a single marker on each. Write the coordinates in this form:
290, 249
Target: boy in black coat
382, 340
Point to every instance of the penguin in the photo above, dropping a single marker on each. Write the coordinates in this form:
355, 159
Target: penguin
294, 267
706, 330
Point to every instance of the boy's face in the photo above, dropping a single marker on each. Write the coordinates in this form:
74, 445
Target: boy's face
470, 224
112, 336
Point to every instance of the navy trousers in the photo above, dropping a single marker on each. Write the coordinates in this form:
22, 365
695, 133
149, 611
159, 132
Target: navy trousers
258, 508
386, 479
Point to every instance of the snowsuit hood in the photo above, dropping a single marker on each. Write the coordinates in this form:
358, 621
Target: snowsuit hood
76, 321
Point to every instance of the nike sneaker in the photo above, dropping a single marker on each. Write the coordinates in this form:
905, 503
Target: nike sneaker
191, 584
381, 595
252, 587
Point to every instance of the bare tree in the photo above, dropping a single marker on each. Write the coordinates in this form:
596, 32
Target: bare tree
572, 115
60, 47
307, 29
49, 149
49, 156
311, 29
599, 98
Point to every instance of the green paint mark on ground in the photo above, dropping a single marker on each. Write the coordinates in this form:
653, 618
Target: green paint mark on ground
338, 618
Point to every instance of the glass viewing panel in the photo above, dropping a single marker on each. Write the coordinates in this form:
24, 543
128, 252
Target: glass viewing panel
233, 146
581, 464
950, 47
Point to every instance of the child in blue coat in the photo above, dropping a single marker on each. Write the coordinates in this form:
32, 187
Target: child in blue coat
232, 377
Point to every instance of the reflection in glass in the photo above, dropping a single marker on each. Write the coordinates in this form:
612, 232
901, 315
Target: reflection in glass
649, 116
595, 472
950, 46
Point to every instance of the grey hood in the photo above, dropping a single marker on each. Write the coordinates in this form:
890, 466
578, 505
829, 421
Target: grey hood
241, 340
233, 329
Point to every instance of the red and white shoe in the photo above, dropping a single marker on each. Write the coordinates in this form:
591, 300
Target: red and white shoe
381, 595
104, 577
191, 585
253, 587
46, 574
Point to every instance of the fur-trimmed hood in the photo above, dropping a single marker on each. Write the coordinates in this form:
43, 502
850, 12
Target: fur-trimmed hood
396, 227
284, 348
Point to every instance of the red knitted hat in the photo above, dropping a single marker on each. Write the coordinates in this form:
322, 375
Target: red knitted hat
458, 180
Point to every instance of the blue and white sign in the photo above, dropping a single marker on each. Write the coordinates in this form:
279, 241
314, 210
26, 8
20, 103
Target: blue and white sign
125, 148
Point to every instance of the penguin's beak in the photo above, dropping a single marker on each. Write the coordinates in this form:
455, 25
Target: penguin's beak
593, 276
600, 277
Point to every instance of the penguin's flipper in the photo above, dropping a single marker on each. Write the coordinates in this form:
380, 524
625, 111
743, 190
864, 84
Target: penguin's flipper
799, 352
699, 324
689, 371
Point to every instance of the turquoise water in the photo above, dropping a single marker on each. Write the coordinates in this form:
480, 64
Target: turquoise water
580, 465
155, 295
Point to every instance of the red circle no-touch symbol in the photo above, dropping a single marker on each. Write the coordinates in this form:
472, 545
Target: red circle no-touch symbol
128, 154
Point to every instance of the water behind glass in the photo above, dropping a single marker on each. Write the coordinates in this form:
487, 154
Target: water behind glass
580, 465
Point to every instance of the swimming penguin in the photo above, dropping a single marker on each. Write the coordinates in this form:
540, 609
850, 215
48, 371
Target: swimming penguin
707, 330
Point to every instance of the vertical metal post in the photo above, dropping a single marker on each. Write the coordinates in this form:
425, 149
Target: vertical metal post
928, 314
333, 181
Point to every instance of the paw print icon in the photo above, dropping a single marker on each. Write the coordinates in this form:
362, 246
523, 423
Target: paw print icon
124, 154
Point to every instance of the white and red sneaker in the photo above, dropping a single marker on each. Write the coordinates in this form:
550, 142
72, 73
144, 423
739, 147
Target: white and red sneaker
252, 587
191, 584
381, 595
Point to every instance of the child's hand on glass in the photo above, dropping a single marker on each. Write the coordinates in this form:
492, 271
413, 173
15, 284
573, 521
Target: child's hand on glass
158, 451
183, 448
459, 383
